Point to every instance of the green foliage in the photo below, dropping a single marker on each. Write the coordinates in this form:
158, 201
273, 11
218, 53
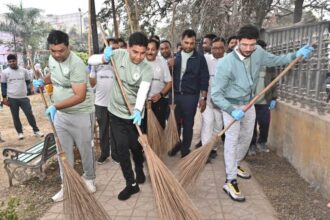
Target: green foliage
83, 56
9, 212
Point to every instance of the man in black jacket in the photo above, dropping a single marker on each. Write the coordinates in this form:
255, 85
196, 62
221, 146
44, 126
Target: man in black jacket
191, 77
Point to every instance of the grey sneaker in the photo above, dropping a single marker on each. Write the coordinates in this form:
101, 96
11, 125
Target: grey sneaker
231, 188
243, 173
263, 147
252, 150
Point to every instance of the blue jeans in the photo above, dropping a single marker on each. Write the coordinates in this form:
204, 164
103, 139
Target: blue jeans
185, 111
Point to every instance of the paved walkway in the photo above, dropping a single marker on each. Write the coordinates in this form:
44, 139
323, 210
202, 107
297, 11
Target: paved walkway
208, 195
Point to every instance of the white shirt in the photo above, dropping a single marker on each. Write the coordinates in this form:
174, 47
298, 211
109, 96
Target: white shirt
104, 80
212, 66
161, 75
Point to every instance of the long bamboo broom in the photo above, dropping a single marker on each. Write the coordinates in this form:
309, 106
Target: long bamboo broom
172, 201
79, 203
192, 165
171, 135
154, 132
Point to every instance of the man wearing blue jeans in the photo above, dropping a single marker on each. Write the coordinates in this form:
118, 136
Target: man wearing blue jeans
191, 81
233, 87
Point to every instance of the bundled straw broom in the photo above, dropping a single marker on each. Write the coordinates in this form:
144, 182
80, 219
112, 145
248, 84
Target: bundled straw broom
154, 132
79, 203
191, 166
171, 135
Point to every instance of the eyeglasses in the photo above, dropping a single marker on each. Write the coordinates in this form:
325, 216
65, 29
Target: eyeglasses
252, 46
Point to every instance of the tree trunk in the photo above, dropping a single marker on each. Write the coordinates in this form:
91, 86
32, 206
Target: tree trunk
114, 14
298, 8
93, 27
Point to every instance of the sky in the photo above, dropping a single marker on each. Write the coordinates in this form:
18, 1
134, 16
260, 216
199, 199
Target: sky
57, 7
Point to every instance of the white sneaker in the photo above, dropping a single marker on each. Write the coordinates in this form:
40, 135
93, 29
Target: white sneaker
58, 197
38, 134
20, 136
90, 184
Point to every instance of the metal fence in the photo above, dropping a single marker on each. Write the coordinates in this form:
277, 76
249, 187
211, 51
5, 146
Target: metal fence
306, 84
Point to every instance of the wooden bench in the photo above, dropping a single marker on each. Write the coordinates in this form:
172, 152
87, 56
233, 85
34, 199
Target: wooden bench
22, 165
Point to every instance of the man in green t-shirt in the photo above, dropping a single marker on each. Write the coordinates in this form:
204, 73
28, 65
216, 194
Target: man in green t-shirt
136, 75
73, 108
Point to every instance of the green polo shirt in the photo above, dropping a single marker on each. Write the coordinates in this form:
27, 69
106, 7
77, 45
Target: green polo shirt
63, 74
131, 75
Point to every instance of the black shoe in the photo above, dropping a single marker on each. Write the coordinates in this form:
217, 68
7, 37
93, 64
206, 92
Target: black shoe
199, 144
140, 177
185, 154
175, 150
213, 154
102, 160
128, 191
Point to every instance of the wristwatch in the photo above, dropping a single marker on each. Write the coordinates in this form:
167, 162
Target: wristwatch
204, 98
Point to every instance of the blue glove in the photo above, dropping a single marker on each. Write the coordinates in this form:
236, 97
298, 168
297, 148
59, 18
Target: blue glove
237, 114
272, 105
136, 116
107, 54
51, 112
37, 83
305, 51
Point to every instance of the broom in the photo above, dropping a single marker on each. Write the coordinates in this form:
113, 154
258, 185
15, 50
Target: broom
192, 165
171, 135
154, 132
172, 201
79, 203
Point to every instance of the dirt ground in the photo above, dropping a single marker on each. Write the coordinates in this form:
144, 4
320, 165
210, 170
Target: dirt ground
291, 196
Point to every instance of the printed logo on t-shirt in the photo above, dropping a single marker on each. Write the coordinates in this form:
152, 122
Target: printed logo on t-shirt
136, 76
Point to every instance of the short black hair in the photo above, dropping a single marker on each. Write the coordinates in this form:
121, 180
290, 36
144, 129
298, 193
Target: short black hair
248, 31
138, 38
153, 39
112, 39
231, 37
188, 33
166, 41
58, 37
210, 36
219, 39
262, 43
11, 57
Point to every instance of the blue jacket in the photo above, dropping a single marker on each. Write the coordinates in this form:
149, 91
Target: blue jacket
196, 76
235, 83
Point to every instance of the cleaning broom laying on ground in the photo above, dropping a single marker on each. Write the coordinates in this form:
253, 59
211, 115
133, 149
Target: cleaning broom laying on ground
192, 165
79, 203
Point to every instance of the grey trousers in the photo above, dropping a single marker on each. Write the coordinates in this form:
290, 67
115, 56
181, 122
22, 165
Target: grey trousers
77, 129
238, 139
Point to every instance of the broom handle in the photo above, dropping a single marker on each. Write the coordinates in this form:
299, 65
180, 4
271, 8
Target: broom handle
266, 89
58, 143
120, 82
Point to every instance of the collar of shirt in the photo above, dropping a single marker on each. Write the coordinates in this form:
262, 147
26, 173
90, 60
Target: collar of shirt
241, 57
187, 54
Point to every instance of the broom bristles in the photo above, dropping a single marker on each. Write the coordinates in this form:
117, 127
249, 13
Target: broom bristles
171, 199
78, 202
192, 165
171, 135
155, 133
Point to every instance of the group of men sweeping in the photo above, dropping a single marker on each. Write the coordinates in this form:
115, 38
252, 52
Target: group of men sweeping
219, 84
